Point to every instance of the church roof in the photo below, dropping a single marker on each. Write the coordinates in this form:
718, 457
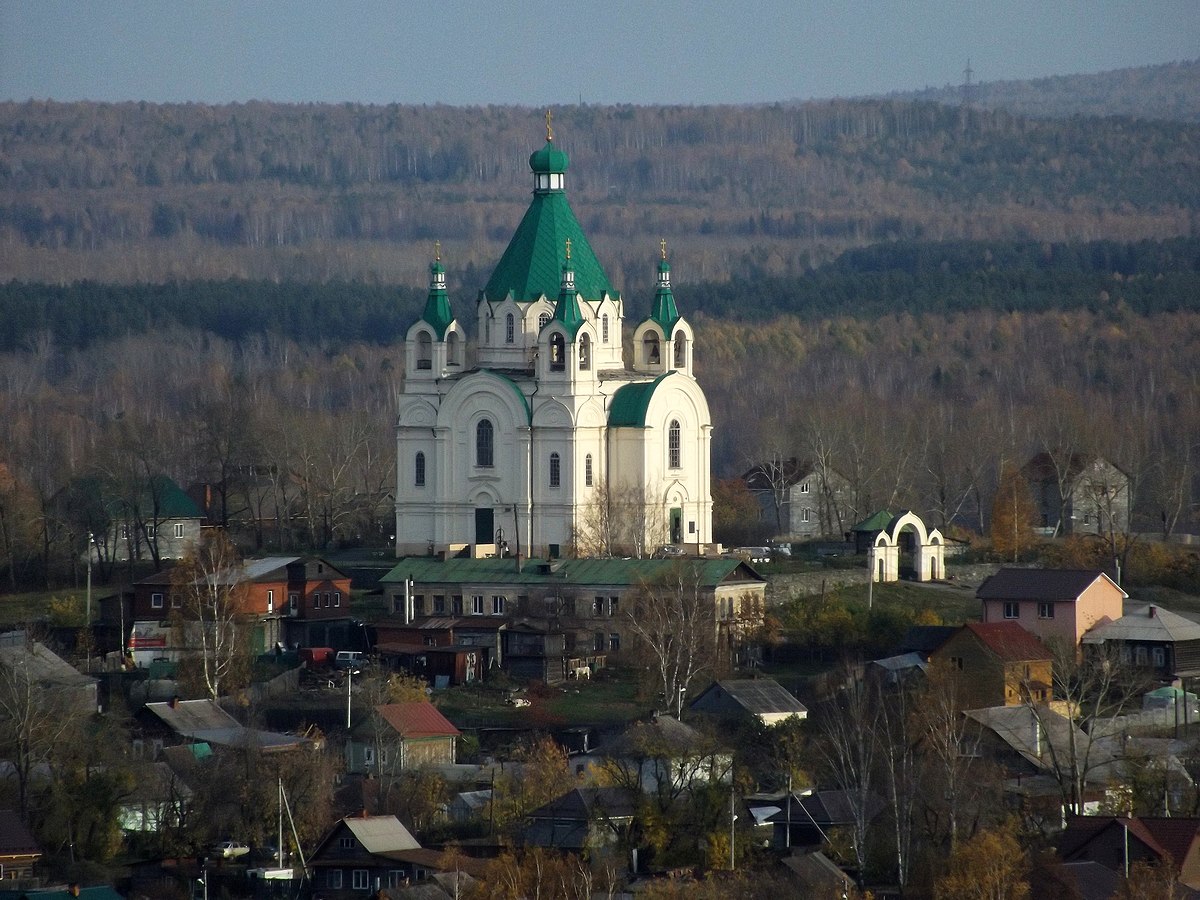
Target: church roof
664, 311
708, 572
437, 304
531, 265
631, 402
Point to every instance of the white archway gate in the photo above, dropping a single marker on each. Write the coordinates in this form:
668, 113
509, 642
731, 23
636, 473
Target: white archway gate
929, 550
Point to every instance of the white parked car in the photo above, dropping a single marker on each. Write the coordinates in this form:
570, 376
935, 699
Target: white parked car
230, 849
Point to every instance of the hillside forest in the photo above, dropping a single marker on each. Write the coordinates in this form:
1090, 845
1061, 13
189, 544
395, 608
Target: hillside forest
918, 296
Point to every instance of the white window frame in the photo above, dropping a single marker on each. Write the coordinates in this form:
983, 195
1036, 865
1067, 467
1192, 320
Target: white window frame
156, 601
1045, 609
333, 879
179, 531
270, 600
1013, 605
477, 604
498, 603
360, 880
337, 598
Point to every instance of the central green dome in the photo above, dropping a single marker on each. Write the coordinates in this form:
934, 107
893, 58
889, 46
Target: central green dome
531, 266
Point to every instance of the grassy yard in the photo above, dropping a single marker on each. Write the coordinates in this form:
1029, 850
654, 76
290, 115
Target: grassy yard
609, 699
23, 609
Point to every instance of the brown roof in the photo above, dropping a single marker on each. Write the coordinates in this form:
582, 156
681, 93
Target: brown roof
1165, 837
1039, 584
15, 839
417, 719
1009, 641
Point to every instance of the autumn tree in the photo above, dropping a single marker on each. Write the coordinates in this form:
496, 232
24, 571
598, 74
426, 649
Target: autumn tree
989, 866
1013, 514
541, 773
211, 592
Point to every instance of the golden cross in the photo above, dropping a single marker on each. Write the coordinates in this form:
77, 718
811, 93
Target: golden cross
568, 248
437, 251
663, 245
549, 130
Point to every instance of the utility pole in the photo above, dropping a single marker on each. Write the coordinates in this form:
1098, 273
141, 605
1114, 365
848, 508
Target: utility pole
732, 819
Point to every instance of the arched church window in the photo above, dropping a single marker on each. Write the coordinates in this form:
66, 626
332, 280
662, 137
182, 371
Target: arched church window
587, 470
424, 350
419, 470
680, 350
508, 328
604, 328
543, 320
650, 348
585, 353
558, 352
484, 444
555, 470
487, 329
453, 350
673, 444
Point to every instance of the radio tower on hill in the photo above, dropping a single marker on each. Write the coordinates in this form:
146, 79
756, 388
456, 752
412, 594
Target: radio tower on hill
968, 89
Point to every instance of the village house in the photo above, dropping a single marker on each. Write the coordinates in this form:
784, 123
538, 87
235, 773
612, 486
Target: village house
1117, 842
153, 518
289, 601
996, 664
401, 736
1057, 605
1156, 641
800, 500
365, 853
592, 820
1077, 493
19, 851
762, 698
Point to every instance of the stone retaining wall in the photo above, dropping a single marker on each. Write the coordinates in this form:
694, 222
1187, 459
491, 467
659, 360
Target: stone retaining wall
783, 586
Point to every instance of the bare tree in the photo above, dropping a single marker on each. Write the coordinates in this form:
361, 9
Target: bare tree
620, 521
847, 750
37, 713
208, 584
674, 625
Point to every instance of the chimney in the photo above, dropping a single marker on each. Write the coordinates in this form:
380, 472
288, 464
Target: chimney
174, 701
1153, 611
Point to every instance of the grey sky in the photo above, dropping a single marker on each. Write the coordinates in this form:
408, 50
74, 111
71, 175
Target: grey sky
536, 52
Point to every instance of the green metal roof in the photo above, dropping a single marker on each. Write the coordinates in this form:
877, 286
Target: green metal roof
579, 572
876, 522
549, 160
566, 310
437, 305
664, 311
530, 266
630, 403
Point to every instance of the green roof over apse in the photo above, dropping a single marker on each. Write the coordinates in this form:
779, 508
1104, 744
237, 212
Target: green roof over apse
876, 522
630, 403
531, 265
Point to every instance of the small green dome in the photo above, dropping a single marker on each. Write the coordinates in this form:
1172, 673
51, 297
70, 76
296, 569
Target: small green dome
548, 161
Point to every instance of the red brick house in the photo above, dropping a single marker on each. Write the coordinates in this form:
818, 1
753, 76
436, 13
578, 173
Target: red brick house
293, 600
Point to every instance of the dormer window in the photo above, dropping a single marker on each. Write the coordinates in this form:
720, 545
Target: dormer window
508, 328
543, 320
558, 352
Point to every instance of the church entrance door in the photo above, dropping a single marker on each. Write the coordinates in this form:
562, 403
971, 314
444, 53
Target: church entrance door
676, 525
485, 526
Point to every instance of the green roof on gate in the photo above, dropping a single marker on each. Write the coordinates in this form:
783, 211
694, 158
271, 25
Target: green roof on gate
876, 522
579, 572
532, 264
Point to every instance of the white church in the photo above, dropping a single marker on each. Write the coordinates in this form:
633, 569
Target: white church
550, 441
